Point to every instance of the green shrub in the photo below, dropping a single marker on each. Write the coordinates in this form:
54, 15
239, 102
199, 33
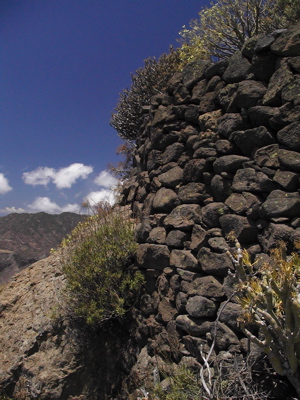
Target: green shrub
96, 259
147, 81
183, 384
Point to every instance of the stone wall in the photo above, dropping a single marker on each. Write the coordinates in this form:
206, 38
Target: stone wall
219, 152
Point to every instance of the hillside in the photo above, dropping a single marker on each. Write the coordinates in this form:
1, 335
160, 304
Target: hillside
27, 238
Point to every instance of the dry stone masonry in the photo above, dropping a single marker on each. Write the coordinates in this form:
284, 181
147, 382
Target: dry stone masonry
218, 152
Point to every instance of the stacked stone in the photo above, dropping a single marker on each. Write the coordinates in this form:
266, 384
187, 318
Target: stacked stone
219, 152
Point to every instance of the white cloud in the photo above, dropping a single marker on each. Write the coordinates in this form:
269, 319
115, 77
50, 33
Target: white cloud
106, 180
48, 206
39, 176
65, 177
4, 185
62, 178
99, 196
10, 210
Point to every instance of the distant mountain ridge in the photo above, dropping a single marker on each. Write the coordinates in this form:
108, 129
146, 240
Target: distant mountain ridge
27, 238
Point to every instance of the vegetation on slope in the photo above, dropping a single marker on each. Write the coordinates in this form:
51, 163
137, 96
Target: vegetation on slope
96, 259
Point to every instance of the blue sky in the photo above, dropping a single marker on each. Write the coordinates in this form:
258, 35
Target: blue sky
63, 64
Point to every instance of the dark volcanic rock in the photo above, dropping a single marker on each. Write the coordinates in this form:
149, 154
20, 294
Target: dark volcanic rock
238, 69
214, 263
290, 136
252, 139
165, 200
183, 217
288, 44
244, 229
154, 256
281, 204
249, 179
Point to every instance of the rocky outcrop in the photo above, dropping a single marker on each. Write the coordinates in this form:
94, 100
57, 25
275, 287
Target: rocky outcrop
46, 355
218, 153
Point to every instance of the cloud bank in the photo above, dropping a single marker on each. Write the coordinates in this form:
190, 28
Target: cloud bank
63, 178
48, 206
106, 180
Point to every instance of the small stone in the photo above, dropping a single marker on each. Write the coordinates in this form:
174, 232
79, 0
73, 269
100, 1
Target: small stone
193, 170
183, 217
289, 159
181, 300
194, 72
287, 180
220, 188
282, 77
261, 115
172, 153
250, 180
165, 200
231, 122
198, 237
166, 311
281, 205
238, 68
225, 337
193, 193
184, 259
290, 136
154, 256
218, 244
249, 93
252, 139
267, 156
172, 177
229, 163
176, 238
201, 307
288, 43
243, 228
193, 326
230, 315
273, 234
206, 286
157, 235
214, 263
211, 214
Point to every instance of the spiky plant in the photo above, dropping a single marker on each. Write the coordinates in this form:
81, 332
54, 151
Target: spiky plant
270, 297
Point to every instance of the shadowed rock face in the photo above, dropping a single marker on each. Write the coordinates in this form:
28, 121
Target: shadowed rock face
35, 353
27, 238
43, 354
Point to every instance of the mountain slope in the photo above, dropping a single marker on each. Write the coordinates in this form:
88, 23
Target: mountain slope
27, 238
